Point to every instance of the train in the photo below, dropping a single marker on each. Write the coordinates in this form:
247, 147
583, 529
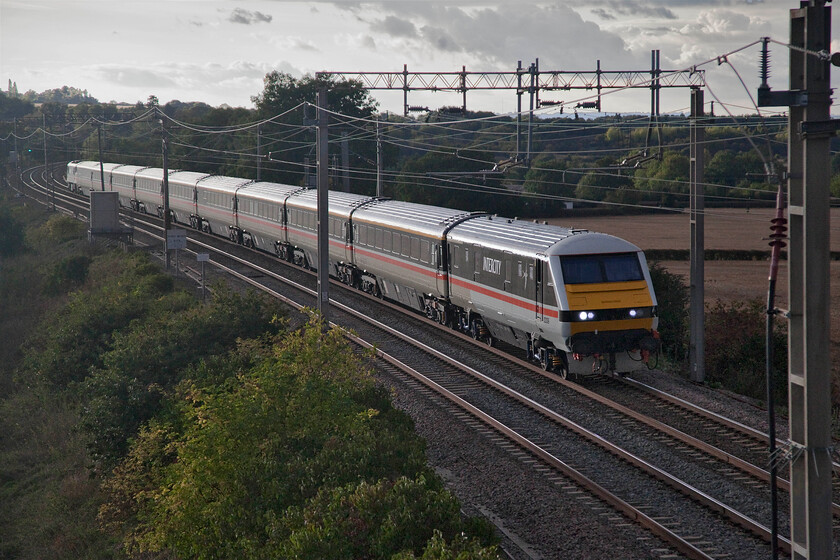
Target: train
573, 300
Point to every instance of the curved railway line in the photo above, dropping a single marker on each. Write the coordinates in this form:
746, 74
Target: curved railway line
691, 477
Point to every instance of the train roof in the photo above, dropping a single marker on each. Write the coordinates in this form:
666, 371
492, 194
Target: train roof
186, 177
532, 239
272, 192
151, 173
432, 221
128, 169
93, 165
340, 203
222, 183
83, 164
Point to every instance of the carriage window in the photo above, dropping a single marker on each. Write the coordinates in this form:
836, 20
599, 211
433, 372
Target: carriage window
383, 239
415, 248
594, 269
406, 245
425, 251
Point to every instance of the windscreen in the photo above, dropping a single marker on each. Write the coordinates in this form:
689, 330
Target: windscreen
596, 269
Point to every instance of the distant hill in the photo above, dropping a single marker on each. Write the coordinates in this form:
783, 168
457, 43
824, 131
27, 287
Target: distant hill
66, 95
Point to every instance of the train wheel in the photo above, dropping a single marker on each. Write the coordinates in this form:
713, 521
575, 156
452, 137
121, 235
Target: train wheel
562, 370
546, 360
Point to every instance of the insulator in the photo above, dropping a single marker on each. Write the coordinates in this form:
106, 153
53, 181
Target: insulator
764, 62
778, 227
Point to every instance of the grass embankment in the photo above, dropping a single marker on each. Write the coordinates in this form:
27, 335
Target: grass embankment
137, 422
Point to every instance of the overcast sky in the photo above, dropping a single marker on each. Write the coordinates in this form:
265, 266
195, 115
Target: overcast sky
218, 51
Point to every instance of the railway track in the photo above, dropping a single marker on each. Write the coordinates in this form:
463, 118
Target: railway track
531, 422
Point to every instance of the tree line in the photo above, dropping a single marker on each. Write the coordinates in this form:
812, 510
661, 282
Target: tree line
473, 161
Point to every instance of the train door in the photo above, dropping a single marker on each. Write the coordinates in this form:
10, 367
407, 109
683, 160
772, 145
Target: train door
347, 233
441, 265
535, 272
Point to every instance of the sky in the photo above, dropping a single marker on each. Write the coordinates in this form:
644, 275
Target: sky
219, 51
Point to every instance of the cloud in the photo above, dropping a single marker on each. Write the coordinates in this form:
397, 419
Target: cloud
239, 15
633, 8
293, 43
395, 27
493, 36
131, 76
603, 14
205, 81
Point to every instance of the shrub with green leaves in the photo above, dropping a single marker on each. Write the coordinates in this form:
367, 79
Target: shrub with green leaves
75, 339
145, 362
373, 521
12, 235
68, 273
244, 459
735, 344
672, 298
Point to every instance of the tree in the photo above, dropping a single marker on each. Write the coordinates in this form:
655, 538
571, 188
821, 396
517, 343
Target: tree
282, 93
665, 179
309, 418
608, 186
284, 99
476, 189
11, 234
14, 107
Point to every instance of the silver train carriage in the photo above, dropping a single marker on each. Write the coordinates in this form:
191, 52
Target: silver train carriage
560, 294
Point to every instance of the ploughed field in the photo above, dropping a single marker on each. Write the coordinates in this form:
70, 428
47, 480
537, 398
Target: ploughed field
725, 228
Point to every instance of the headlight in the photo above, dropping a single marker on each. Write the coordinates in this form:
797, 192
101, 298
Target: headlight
586, 315
632, 313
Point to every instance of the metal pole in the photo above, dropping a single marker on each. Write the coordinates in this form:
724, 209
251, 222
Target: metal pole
259, 153
697, 347
810, 366
464, 90
531, 91
777, 243
323, 209
17, 157
167, 219
101, 165
345, 161
46, 173
405, 90
378, 160
518, 109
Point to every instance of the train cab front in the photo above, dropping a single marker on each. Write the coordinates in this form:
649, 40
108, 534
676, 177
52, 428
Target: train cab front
609, 312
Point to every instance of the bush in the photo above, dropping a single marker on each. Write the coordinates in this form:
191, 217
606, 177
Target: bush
11, 233
69, 273
61, 228
307, 432
145, 363
672, 298
735, 341
371, 521
75, 339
